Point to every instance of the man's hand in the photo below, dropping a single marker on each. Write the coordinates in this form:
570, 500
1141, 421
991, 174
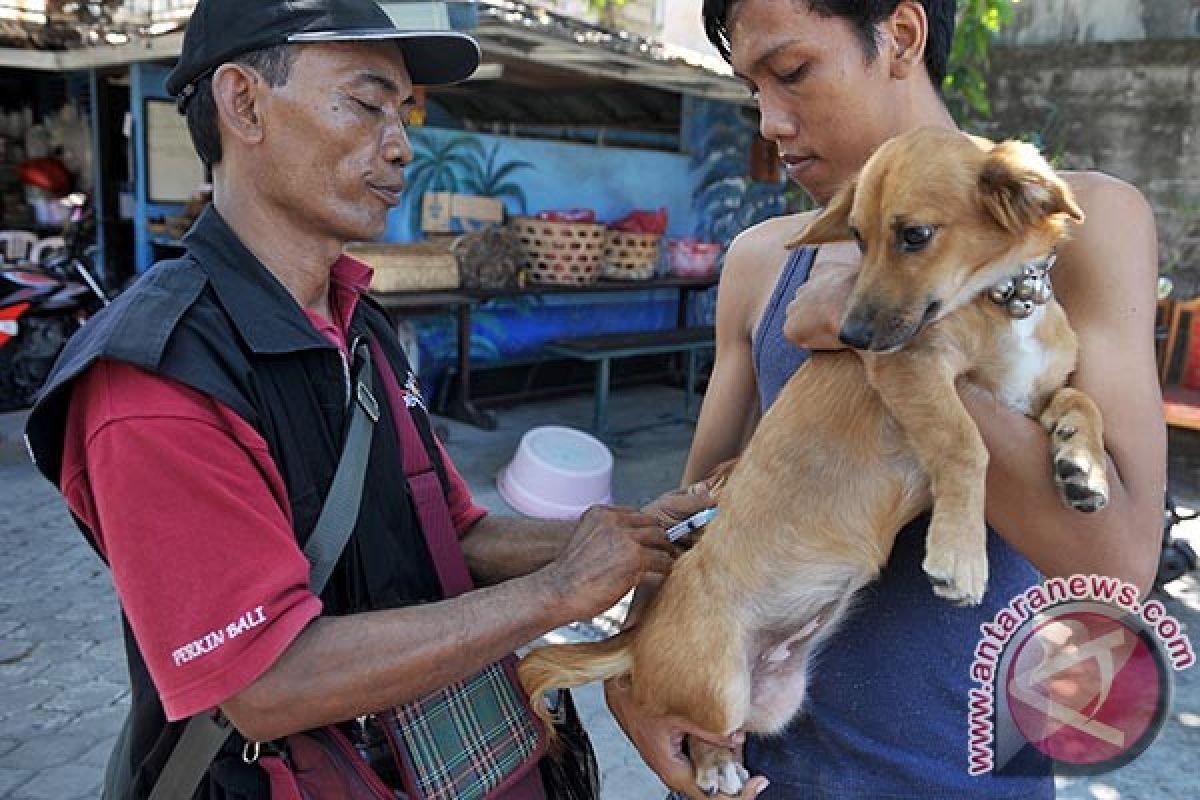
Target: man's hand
611, 550
814, 317
659, 740
674, 507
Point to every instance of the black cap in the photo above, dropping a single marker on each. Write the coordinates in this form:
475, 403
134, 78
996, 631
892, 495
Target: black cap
221, 30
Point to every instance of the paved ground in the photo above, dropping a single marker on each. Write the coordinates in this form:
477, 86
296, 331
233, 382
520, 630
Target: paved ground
62, 675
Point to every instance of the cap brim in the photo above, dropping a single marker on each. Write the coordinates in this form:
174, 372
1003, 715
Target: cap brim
433, 58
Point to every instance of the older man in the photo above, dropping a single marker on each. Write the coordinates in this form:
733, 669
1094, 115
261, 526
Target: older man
195, 428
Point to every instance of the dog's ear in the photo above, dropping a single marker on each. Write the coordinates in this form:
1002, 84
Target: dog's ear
832, 224
1020, 190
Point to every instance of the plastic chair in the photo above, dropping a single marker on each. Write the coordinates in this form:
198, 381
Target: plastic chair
1181, 405
1174, 318
16, 245
46, 248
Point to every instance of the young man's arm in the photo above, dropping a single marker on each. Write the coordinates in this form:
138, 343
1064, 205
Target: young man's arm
727, 420
1105, 279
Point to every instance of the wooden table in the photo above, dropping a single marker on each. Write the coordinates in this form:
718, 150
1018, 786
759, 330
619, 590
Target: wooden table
462, 302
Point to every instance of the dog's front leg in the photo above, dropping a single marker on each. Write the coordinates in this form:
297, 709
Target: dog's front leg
1077, 445
718, 769
918, 389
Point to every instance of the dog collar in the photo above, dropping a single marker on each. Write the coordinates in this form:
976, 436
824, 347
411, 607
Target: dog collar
1021, 295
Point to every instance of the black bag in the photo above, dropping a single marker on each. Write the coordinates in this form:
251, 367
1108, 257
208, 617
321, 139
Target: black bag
571, 772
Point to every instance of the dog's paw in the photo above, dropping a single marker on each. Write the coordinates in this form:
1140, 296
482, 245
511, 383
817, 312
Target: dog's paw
1081, 481
958, 574
727, 779
717, 770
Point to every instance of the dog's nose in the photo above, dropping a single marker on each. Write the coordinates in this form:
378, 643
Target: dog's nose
856, 334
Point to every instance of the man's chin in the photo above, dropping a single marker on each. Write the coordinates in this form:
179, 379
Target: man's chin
366, 232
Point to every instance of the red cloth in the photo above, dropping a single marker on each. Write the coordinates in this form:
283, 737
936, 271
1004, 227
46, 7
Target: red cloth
207, 568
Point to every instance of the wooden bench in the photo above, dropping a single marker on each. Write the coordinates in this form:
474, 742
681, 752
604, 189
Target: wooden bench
606, 347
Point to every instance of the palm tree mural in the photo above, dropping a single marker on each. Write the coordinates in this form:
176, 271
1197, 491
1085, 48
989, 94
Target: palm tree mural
490, 178
460, 164
464, 164
727, 201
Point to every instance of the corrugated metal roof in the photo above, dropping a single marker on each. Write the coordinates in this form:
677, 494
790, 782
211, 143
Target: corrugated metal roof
134, 30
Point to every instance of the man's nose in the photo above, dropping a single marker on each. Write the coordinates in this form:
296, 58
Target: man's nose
775, 124
396, 147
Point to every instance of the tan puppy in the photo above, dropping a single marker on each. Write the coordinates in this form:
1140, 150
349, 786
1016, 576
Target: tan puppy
857, 444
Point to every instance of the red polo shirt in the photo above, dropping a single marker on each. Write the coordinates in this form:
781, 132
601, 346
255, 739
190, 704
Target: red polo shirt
190, 511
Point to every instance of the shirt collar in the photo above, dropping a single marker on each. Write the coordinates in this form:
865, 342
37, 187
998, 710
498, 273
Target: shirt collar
265, 314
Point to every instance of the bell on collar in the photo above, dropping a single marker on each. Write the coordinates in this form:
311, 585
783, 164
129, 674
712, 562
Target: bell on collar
1044, 293
1020, 309
1002, 293
1028, 288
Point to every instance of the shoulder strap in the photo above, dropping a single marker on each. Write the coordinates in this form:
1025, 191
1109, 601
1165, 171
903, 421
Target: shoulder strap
204, 735
428, 491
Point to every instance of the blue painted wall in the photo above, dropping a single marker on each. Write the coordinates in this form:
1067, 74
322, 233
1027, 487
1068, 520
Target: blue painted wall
531, 176
534, 175
705, 188
146, 81
726, 201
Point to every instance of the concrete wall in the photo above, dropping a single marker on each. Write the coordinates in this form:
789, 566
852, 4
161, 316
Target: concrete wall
1130, 109
1079, 21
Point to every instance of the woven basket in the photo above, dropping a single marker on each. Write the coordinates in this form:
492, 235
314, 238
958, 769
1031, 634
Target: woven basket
630, 256
569, 253
409, 267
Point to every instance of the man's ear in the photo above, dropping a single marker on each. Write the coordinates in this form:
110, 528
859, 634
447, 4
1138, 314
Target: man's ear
832, 224
235, 90
908, 27
1020, 190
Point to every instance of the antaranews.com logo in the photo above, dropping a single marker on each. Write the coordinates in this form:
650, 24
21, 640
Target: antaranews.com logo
1077, 669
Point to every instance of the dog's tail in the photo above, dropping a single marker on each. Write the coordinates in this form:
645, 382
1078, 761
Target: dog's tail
565, 666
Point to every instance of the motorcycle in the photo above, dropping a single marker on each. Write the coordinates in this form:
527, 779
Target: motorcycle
1177, 558
42, 305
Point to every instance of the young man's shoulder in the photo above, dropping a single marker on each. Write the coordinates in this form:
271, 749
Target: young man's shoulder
1113, 209
770, 237
756, 256
1095, 188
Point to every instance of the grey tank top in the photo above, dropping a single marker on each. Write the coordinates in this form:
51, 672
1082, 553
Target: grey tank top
775, 358
887, 708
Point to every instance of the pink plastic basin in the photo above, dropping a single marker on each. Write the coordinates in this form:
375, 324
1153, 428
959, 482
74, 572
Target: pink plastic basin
690, 258
557, 473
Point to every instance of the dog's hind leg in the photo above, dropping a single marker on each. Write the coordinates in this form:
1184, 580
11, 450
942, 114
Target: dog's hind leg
1077, 445
917, 386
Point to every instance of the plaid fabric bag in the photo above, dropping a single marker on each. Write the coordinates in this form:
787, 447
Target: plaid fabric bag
468, 740
477, 738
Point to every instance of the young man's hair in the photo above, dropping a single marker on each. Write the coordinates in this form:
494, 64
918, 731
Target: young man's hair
865, 16
274, 64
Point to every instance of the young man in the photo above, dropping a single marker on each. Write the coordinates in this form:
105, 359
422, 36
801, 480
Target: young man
887, 710
196, 425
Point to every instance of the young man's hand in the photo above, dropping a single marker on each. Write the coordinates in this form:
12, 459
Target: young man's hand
674, 507
659, 740
814, 317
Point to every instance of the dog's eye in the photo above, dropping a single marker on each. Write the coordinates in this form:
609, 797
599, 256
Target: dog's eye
915, 237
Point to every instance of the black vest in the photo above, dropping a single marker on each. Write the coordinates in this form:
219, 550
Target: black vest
218, 321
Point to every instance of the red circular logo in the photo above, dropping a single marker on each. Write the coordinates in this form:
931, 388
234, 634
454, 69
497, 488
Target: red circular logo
1087, 689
